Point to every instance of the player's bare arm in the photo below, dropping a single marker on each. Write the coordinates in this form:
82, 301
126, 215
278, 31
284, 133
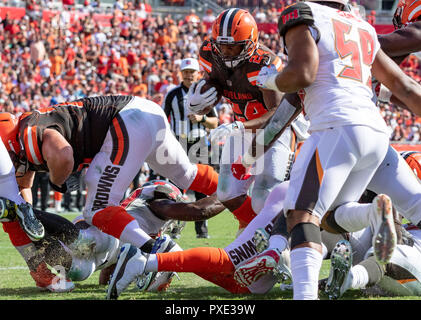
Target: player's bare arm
303, 60
402, 86
25, 184
58, 154
402, 42
202, 209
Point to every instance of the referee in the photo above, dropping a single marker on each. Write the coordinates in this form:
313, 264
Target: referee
190, 129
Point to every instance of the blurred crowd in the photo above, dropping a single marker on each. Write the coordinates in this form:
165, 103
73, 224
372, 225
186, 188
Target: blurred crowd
72, 55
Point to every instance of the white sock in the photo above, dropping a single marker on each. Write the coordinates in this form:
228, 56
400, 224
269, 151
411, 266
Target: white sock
359, 277
305, 268
133, 234
278, 241
27, 251
151, 264
353, 216
324, 251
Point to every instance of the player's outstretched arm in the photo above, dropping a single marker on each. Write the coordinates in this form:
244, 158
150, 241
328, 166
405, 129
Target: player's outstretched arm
402, 86
402, 42
194, 211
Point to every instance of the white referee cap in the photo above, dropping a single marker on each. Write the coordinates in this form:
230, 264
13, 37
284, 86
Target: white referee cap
189, 63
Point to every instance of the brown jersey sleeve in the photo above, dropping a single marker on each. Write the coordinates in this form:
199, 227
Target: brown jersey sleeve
205, 57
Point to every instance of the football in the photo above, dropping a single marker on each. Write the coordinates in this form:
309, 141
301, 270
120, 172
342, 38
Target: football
212, 83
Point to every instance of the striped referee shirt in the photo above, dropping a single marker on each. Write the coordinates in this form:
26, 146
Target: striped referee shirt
176, 111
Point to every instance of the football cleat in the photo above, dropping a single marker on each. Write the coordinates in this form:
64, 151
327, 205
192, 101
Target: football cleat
130, 264
339, 279
46, 280
147, 280
268, 261
7, 210
29, 223
383, 227
261, 239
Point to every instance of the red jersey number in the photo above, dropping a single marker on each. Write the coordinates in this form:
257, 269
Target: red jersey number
253, 109
350, 47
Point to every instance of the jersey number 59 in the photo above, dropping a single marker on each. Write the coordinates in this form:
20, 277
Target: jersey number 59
345, 48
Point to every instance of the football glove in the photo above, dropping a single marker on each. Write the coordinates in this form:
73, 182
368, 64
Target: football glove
239, 171
197, 101
266, 78
224, 130
71, 184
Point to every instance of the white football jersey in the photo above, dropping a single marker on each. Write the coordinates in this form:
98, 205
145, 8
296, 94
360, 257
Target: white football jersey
8, 186
341, 94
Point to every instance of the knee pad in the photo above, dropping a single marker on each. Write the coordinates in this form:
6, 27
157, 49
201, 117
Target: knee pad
305, 232
280, 226
329, 224
374, 269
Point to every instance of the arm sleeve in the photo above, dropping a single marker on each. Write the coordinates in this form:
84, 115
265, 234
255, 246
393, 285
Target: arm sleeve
299, 13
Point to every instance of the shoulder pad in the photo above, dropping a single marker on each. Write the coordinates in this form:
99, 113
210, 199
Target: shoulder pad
299, 13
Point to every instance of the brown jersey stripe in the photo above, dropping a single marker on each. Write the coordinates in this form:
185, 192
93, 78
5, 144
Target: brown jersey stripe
309, 193
120, 141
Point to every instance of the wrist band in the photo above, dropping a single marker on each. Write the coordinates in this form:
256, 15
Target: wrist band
248, 160
203, 119
384, 94
270, 82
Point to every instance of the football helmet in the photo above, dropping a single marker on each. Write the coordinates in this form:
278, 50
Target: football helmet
406, 12
9, 130
161, 189
413, 159
234, 27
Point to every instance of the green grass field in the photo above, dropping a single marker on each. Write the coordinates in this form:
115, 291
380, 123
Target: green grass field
17, 284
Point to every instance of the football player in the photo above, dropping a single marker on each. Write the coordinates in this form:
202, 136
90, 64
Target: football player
113, 135
216, 265
155, 205
330, 169
401, 276
8, 187
78, 249
232, 59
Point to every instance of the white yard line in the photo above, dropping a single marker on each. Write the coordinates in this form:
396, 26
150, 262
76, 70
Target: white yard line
14, 268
